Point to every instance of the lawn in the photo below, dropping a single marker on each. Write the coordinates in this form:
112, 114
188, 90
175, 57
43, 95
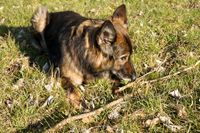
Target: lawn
166, 35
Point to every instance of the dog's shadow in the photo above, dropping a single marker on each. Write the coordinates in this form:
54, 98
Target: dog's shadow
44, 124
26, 43
24, 38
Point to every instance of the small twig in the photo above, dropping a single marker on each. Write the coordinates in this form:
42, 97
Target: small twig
155, 69
89, 114
132, 84
174, 74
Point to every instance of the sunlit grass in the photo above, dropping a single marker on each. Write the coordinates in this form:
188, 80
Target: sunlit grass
158, 28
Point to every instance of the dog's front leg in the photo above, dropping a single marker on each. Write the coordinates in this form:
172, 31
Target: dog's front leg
73, 95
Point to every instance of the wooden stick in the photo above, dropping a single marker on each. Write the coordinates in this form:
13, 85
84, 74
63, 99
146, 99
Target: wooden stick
132, 84
89, 114
174, 74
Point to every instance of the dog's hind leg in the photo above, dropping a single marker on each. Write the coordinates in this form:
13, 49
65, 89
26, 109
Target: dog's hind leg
39, 21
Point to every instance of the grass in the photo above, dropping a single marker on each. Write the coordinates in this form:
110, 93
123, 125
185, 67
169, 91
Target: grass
158, 28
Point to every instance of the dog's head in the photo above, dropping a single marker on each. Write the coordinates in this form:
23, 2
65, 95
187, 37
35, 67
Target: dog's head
114, 41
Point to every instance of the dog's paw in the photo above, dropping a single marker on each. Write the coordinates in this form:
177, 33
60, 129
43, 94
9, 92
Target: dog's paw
75, 98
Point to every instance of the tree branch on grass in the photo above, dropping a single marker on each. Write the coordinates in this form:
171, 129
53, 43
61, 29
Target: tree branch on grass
132, 84
174, 74
118, 101
89, 114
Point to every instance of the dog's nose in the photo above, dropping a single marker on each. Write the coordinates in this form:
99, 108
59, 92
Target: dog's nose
133, 78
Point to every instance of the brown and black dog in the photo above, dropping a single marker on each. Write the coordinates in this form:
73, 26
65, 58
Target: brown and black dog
83, 48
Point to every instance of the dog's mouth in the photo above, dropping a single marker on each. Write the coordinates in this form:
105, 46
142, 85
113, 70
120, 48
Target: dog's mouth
120, 76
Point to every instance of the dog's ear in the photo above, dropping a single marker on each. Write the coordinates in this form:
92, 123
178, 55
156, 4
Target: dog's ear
120, 16
106, 36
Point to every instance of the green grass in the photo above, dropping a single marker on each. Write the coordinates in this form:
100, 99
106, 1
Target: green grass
158, 28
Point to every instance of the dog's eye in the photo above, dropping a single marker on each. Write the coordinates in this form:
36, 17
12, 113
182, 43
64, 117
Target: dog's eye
123, 58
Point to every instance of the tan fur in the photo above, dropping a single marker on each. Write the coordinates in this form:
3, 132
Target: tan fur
40, 19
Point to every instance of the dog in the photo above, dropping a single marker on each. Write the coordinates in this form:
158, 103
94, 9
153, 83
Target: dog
85, 49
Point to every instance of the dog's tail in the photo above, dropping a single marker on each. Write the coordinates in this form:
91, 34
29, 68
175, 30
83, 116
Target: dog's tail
39, 21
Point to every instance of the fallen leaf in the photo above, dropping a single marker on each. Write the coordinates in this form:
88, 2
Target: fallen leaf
191, 54
9, 103
19, 83
49, 87
166, 121
119, 130
72, 130
181, 112
152, 122
173, 128
109, 129
158, 62
115, 113
176, 94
